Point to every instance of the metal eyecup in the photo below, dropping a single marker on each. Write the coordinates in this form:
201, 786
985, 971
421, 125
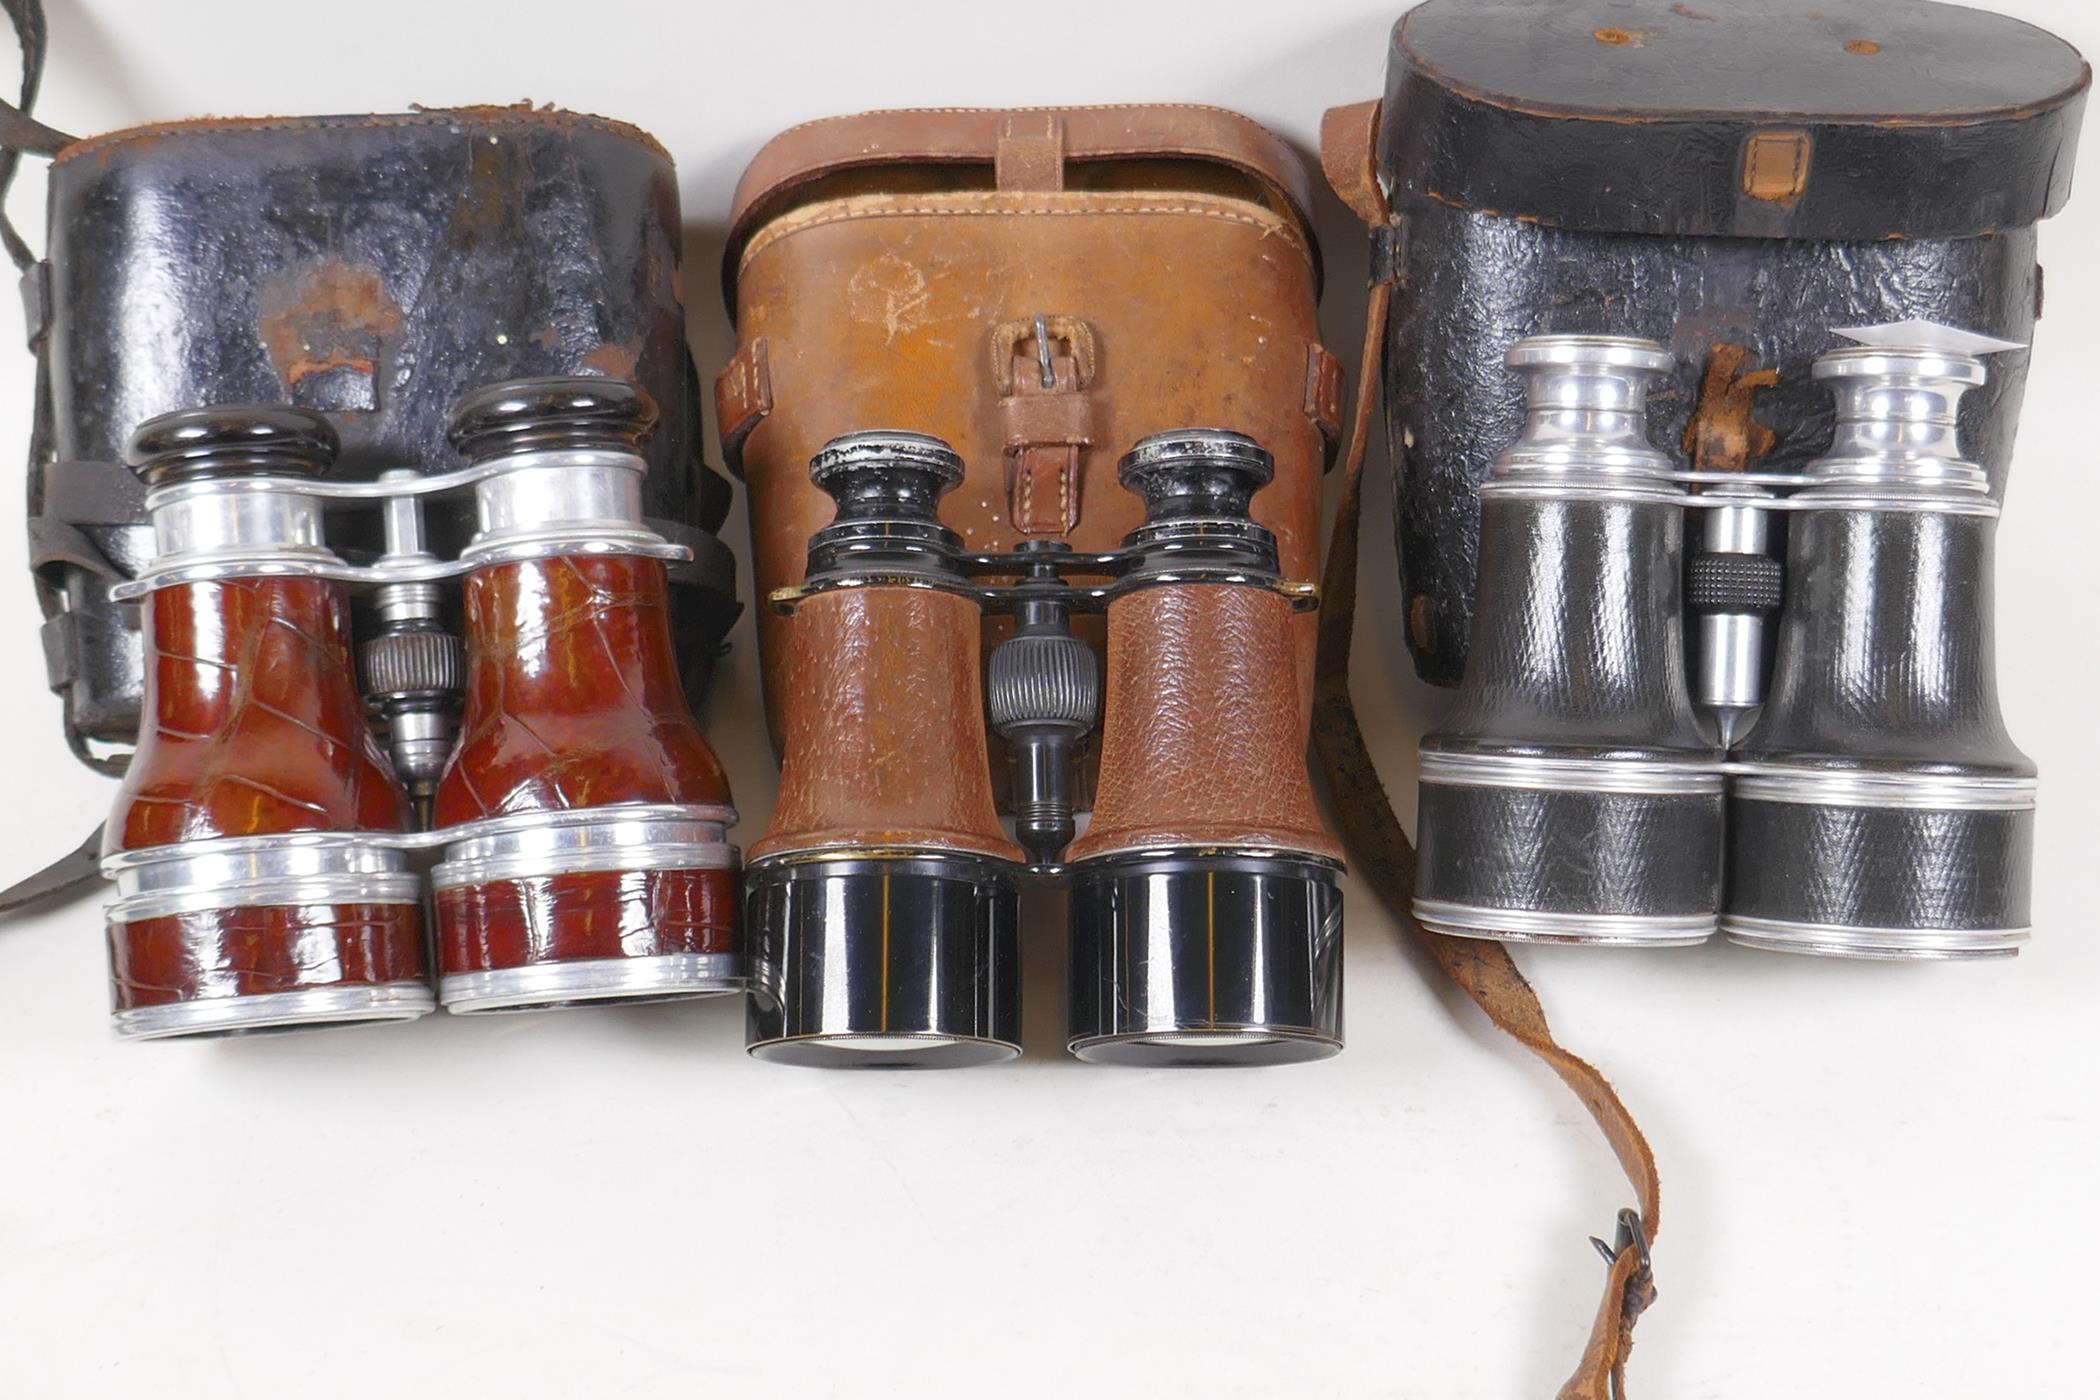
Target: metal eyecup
1205, 958
883, 959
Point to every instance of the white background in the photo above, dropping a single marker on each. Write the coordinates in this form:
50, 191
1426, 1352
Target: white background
1880, 1181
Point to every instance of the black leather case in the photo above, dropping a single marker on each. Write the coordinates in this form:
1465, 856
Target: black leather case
1709, 175
372, 268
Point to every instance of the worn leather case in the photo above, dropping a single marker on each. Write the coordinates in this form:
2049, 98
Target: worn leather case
1732, 180
887, 271
373, 269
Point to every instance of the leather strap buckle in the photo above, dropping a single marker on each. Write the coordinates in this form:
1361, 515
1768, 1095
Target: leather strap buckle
1048, 415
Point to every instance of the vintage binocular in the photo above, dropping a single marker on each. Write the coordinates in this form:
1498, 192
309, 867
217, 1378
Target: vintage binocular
263, 846
883, 900
1871, 806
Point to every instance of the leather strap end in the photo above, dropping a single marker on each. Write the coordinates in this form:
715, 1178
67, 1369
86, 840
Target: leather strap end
743, 398
1323, 398
1030, 152
1349, 159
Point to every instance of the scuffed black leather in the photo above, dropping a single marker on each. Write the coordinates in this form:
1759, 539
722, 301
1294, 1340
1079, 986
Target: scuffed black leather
1472, 284
1882, 118
373, 269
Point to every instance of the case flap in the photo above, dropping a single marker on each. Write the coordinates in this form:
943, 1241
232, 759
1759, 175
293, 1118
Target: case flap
1838, 119
1025, 147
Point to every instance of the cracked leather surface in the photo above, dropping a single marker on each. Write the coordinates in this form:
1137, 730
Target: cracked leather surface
257, 725
1203, 739
261, 951
884, 737
257, 729
600, 914
573, 696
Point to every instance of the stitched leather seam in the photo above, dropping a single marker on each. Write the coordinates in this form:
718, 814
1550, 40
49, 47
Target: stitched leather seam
438, 116
782, 228
982, 111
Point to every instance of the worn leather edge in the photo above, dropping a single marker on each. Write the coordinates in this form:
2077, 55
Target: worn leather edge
1385, 860
429, 116
970, 136
1020, 204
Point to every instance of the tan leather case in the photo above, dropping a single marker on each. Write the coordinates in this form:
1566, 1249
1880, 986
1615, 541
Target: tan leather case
887, 270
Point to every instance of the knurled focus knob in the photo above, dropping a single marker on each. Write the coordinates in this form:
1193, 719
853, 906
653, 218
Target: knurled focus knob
399, 664
1046, 679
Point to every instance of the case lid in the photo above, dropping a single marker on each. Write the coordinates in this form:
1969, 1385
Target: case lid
1018, 148
1841, 119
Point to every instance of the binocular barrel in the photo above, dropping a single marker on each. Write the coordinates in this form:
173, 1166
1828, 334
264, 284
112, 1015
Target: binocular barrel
261, 844
1879, 809
586, 818
1205, 914
1875, 806
256, 888
883, 901
1574, 796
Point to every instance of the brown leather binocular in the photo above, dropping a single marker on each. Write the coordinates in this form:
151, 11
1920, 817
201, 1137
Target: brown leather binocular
883, 900
263, 844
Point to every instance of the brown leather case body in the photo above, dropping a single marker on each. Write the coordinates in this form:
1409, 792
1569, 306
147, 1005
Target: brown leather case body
887, 271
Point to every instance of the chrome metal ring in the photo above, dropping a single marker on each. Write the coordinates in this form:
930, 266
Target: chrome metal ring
346, 1004
1839, 787
546, 986
1538, 484
246, 872
587, 840
1631, 777
1891, 944
1540, 926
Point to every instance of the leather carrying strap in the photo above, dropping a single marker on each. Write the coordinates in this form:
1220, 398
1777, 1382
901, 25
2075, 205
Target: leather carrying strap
1383, 857
77, 870
20, 133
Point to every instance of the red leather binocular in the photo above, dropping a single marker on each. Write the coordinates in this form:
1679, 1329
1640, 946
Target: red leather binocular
264, 846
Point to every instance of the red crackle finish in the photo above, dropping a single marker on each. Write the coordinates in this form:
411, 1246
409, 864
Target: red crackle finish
573, 701
255, 729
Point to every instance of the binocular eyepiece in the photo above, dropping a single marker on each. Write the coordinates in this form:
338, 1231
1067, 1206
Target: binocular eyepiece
883, 901
261, 842
1875, 807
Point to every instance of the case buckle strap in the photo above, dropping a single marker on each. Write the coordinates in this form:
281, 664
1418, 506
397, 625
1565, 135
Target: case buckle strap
1323, 397
1048, 415
743, 398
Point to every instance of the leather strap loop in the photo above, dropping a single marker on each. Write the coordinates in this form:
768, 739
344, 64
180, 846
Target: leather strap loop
743, 398
1381, 855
